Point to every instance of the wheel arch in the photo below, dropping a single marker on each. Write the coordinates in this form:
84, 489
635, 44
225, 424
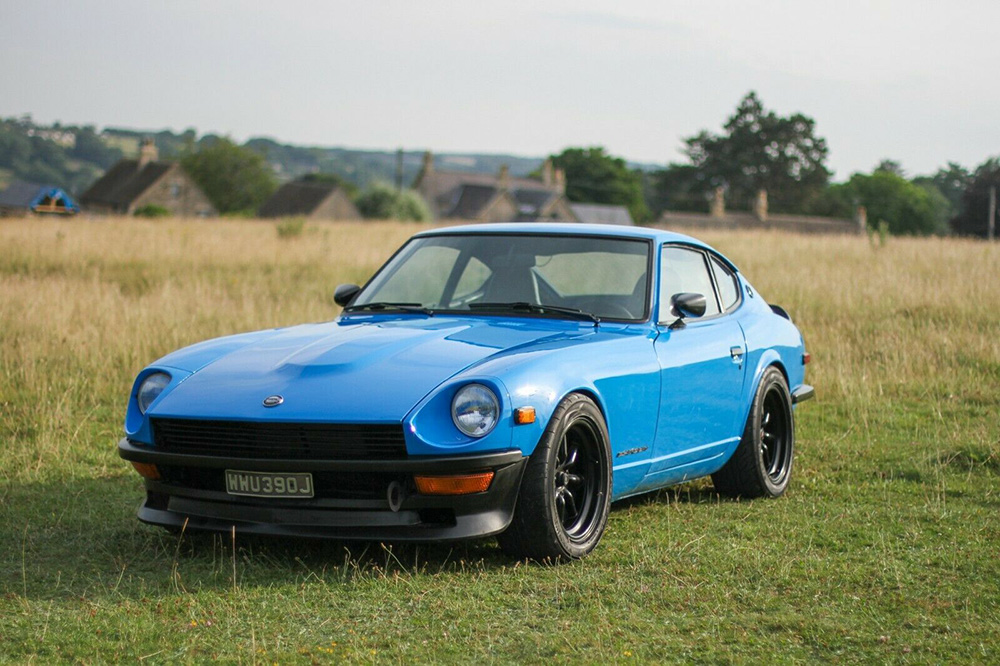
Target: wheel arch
591, 393
769, 359
527, 438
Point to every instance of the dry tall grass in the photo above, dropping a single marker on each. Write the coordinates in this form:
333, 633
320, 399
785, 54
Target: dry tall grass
85, 304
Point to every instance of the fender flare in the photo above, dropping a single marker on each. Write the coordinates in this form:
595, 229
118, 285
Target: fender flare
769, 358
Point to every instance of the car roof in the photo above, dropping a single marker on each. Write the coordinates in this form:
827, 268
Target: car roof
567, 228
573, 229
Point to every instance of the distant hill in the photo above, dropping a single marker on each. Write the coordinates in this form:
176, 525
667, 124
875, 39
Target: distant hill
74, 156
70, 157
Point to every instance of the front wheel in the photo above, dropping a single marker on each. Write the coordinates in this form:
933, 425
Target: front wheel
565, 493
761, 466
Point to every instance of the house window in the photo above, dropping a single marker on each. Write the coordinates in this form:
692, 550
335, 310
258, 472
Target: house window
175, 190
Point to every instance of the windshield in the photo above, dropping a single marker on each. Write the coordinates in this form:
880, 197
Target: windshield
606, 277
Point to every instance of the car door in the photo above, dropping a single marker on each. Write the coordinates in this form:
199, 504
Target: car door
701, 364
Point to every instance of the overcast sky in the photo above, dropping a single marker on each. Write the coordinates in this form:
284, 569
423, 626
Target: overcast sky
907, 80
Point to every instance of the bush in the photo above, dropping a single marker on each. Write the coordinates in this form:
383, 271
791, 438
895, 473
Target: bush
411, 206
151, 211
377, 202
290, 228
383, 202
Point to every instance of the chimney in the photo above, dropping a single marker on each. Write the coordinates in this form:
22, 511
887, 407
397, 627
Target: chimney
147, 152
428, 162
504, 177
718, 205
560, 178
861, 217
760, 205
547, 177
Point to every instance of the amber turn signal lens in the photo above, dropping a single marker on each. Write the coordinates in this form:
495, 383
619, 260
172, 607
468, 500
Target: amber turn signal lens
459, 484
524, 415
806, 358
147, 470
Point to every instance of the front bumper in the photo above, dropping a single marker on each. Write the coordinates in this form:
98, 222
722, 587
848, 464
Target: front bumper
351, 499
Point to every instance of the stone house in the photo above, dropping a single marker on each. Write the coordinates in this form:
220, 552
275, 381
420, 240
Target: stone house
132, 184
310, 199
602, 214
483, 197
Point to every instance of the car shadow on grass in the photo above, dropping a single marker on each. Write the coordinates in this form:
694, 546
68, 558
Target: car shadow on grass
80, 538
695, 492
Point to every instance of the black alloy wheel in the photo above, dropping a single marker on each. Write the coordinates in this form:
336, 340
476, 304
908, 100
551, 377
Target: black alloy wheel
774, 440
575, 483
761, 466
562, 508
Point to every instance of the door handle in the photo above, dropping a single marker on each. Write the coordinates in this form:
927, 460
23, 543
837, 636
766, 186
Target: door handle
736, 353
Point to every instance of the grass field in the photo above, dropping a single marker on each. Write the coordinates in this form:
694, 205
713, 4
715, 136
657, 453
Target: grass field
885, 548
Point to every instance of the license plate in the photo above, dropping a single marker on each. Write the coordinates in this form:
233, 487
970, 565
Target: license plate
268, 484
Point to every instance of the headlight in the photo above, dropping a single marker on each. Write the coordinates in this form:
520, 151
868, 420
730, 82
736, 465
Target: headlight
475, 410
150, 389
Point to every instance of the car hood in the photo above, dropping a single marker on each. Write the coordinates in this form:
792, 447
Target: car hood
357, 369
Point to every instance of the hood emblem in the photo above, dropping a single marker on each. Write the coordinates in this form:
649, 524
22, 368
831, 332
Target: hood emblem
273, 400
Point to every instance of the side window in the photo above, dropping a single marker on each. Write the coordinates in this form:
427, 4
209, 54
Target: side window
684, 270
728, 289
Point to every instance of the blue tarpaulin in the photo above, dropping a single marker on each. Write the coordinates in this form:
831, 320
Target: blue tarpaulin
38, 198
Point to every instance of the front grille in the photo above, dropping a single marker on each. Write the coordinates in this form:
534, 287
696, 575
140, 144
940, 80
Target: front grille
297, 441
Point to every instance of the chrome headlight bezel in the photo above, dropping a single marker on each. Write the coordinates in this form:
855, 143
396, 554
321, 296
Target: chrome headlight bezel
150, 389
475, 410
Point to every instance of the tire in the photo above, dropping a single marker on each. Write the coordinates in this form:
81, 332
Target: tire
761, 466
565, 495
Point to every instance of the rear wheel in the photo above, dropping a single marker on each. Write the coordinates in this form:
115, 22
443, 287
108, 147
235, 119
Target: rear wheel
562, 508
761, 466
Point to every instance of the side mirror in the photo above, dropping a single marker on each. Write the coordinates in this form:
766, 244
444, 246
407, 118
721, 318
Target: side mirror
688, 304
343, 294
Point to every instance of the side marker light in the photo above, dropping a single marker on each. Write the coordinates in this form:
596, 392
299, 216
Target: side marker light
524, 415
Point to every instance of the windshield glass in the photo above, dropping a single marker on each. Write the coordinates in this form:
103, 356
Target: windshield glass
606, 277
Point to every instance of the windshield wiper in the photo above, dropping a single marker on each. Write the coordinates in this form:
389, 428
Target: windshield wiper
522, 306
386, 305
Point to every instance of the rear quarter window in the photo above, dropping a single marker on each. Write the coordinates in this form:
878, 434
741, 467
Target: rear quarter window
729, 292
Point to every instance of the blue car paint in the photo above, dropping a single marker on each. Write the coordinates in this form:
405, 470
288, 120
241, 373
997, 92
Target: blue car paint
406, 367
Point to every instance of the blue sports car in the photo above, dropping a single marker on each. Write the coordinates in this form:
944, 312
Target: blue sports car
508, 380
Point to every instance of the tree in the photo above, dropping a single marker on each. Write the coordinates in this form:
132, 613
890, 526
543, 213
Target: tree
891, 166
678, 187
592, 176
235, 179
943, 210
384, 202
907, 208
971, 221
951, 181
762, 150
90, 148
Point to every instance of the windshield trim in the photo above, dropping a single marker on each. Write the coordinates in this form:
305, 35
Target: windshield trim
649, 242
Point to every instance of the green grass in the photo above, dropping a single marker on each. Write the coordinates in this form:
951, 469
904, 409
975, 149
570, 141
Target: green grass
885, 548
